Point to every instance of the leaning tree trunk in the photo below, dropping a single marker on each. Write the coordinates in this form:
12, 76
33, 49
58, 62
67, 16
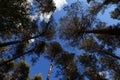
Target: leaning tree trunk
15, 57
50, 68
109, 31
18, 41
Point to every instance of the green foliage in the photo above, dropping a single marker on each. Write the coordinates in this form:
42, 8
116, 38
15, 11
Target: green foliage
40, 47
93, 74
48, 29
112, 65
67, 66
89, 44
49, 32
92, 46
65, 59
21, 71
54, 48
46, 6
19, 22
76, 26
92, 68
3, 49
16, 22
116, 13
97, 7
20, 48
87, 59
37, 77
13, 70
5, 69
109, 40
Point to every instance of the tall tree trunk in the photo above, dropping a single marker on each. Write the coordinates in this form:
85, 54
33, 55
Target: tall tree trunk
18, 41
108, 53
50, 68
15, 57
109, 31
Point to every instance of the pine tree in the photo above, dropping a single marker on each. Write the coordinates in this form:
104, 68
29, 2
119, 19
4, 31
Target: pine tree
78, 23
98, 54
67, 66
91, 46
54, 50
91, 66
18, 70
38, 49
36, 77
97, 6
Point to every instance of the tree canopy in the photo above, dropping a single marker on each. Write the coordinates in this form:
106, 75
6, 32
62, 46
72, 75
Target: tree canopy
22, 36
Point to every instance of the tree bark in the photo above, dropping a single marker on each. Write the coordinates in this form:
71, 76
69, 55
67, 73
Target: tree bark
109, 31
15, 57
50, 68
18, 41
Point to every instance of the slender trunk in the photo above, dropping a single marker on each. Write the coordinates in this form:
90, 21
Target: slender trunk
107, 53
15, 57
109, 31
18, 41
50, 68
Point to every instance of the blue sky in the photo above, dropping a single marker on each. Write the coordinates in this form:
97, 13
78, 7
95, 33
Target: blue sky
106, 16
42, 64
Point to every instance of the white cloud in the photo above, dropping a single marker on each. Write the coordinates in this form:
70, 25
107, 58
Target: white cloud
59, 3
47, 16
31, 40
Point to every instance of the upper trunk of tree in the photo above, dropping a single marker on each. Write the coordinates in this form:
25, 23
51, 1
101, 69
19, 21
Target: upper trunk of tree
18, 41
15, 57
109, 31
50, 68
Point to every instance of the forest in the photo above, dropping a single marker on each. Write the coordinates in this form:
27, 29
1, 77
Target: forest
24, 35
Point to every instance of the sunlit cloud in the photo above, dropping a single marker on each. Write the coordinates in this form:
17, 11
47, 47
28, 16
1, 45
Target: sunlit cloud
30, 1
47, 16
31, 40
59, 3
